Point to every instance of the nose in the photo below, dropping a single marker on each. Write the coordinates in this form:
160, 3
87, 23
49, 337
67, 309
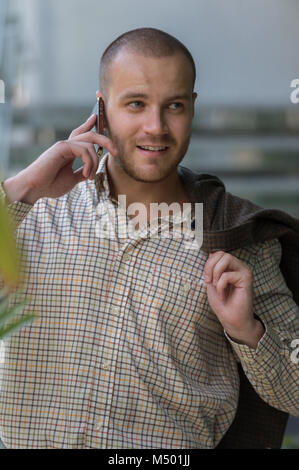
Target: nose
155, 123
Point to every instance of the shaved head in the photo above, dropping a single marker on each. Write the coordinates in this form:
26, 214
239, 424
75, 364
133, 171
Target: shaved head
148, 42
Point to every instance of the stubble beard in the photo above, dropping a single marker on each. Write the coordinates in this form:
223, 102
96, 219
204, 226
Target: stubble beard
122, 159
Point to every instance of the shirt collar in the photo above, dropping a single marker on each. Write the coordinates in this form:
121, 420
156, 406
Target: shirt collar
101, 180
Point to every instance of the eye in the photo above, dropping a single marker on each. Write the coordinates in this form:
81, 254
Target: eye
133, 103
180, 105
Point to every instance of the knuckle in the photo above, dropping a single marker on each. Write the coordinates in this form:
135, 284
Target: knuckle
60, 143
218, 252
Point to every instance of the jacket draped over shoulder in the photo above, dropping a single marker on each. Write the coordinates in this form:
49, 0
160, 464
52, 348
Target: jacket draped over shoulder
231, 222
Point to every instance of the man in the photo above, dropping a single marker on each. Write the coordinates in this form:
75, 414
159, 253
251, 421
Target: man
137, 339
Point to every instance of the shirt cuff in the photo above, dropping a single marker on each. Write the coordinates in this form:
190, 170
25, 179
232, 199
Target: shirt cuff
17, 210
266, 353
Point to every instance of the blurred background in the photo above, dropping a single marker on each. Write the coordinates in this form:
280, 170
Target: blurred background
246, 129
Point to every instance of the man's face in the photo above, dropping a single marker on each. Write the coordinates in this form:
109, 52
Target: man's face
150, 103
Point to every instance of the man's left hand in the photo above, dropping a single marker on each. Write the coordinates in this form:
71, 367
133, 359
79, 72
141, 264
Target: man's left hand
230, 293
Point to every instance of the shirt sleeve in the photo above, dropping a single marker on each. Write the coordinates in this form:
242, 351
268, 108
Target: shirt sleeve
272, 368
17, 210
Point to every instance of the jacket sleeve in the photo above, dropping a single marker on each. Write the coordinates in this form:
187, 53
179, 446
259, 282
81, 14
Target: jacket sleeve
273, 367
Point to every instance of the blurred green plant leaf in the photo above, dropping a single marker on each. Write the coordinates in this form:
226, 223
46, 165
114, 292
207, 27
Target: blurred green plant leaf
4, 300
13, 311
9, 253
13, 327
10, 273
10, 313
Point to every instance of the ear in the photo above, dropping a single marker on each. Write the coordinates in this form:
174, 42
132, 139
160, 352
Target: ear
99, 94
194, 96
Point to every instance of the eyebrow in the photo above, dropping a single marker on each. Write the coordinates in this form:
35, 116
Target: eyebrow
137, 94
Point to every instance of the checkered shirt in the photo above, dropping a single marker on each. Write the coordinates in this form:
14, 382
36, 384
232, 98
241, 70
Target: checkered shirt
125, 351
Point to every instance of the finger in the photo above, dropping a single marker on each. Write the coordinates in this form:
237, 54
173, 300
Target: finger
86, 126
86, 157
231, 263
209, 266
93, 156
219, 262
227, 279
71, 150
224, 263
98, 139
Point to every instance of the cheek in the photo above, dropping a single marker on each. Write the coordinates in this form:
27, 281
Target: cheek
124, 129
180, 130
180, 126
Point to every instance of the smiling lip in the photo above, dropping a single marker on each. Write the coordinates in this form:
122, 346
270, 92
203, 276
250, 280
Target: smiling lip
152, 153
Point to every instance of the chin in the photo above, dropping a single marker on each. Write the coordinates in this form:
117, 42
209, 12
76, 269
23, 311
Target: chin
148, 172
151, 175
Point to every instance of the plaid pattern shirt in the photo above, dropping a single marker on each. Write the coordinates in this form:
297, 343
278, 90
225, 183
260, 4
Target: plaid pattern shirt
125, 351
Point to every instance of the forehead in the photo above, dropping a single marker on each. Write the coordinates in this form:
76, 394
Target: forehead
131, 70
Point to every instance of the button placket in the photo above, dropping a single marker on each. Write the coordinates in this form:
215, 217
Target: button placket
108, 365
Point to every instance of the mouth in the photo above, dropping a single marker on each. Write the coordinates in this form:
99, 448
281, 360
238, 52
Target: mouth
152, 151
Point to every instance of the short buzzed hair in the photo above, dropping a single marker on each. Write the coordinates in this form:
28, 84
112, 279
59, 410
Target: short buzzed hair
149, 42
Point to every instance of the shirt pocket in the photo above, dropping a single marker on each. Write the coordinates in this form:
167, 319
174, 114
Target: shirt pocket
173, 305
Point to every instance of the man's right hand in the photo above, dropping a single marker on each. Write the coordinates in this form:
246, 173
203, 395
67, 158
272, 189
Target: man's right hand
51, 174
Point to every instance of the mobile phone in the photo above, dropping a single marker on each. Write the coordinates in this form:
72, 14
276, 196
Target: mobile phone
100, 121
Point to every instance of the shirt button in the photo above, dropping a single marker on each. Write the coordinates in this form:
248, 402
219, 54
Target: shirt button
106, 366
114, 310
98, 426
126, 257
186, 287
